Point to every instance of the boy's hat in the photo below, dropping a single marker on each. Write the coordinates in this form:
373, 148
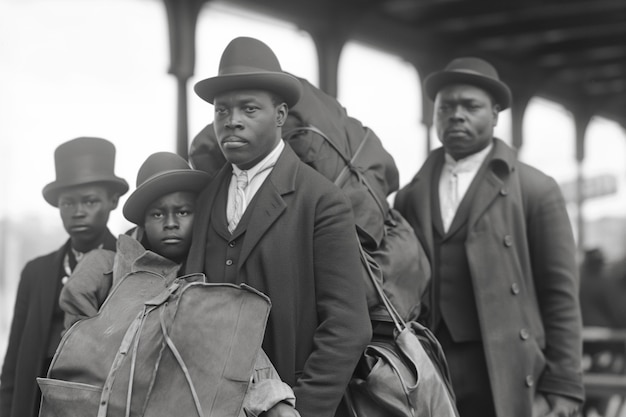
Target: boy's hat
82, 161
473, 71
162, 173
248, 63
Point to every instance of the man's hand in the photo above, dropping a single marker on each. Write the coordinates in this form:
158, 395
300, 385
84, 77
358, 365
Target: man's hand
552, 405
281, 410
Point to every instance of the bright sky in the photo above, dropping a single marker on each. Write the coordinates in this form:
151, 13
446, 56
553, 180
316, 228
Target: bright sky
74, 68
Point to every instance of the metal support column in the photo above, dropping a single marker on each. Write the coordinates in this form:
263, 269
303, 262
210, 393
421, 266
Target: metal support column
581, 121
182, 16
329, 45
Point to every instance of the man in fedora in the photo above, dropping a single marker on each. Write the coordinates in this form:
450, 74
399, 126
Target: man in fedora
85, 191
272, 222
503, 301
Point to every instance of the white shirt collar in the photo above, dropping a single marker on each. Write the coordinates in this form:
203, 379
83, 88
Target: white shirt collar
268, 161
469, 163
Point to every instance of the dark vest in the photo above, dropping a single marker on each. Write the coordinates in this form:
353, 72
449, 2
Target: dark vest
454, 292
223, 249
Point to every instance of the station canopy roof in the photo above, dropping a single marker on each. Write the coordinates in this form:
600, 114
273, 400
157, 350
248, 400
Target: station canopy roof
570, 51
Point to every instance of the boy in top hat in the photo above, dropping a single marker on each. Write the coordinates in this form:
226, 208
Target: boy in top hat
163, 208
85, 191
504, 295
274, 223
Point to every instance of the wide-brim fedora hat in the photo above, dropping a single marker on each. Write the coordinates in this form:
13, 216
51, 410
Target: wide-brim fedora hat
82, 161
162, 173
249, 64
473, 71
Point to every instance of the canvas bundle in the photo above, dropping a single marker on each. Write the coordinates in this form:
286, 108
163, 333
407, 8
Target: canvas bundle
159, 351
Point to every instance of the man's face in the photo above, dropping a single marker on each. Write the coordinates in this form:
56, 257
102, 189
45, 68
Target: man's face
247, 125
464, 118
85, 212
168, 224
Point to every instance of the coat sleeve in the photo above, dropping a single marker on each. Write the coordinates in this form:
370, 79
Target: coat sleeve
343, 328
553, 259
266, 388
88, 286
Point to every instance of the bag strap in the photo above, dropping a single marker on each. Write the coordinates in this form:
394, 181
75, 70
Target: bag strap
123, 350
181, 363
310, 128
349, 162
130, 343
341, 178
393, 313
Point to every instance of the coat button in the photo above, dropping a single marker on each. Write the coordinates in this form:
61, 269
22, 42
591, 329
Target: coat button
530, 381
232, 243
229, 262
508, 241
524, 334
515, 288
503, 191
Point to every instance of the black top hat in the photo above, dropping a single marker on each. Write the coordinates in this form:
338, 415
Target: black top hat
162, 173
83, 161
470, 70
248, 63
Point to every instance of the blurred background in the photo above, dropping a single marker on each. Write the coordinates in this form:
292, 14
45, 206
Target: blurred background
123, 70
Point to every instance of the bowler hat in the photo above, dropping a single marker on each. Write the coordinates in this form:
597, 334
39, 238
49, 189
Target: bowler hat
162, 173
82, 161
473, 71
248, 63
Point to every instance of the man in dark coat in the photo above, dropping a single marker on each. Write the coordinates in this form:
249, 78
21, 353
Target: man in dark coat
295, 238
503, 300
85, 191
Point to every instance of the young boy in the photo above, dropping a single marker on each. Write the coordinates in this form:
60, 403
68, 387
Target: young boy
85, 192
163, 208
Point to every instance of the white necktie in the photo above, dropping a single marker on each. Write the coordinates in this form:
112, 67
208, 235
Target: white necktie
452, 196
240, 201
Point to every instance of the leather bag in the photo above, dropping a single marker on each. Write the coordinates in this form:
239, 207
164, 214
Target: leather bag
155, 351
405, 376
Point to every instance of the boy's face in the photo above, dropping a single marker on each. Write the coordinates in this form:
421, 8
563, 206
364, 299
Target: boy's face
85, 212
248, 125
168, 224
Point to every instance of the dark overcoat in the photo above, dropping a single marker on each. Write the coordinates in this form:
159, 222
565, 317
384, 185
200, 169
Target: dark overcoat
27, 349
300, 248
521, 255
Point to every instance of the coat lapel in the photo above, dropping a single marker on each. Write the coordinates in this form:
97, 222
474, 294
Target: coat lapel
269, 201
423, 186
487, 191
195, 258
492, 184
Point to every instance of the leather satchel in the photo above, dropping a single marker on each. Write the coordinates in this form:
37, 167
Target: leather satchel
403, 376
